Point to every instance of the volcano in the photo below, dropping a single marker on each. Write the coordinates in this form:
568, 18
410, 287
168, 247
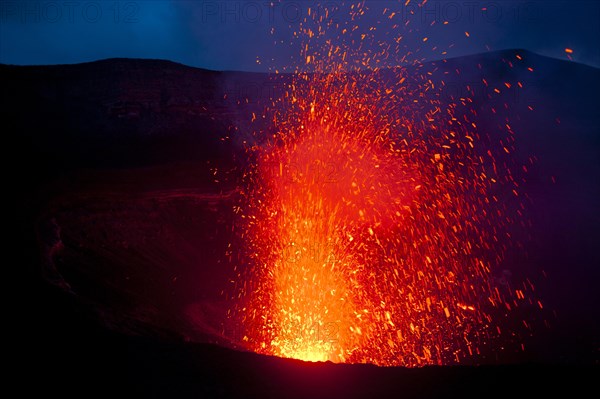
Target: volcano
126, 203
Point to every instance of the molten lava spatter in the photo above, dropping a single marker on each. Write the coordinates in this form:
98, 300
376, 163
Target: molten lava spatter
326, 190
370, 226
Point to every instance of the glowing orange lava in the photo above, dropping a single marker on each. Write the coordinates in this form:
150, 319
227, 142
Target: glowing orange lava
325, 189
370, 226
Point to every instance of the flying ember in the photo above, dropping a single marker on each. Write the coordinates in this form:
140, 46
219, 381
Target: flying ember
370, 223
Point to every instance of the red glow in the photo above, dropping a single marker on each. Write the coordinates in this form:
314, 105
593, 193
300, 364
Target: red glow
370, 226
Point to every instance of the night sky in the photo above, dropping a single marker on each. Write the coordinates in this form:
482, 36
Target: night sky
255, 36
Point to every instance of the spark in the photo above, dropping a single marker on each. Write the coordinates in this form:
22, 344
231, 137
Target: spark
367, 221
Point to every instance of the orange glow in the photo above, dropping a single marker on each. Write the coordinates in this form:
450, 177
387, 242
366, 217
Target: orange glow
369, 224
